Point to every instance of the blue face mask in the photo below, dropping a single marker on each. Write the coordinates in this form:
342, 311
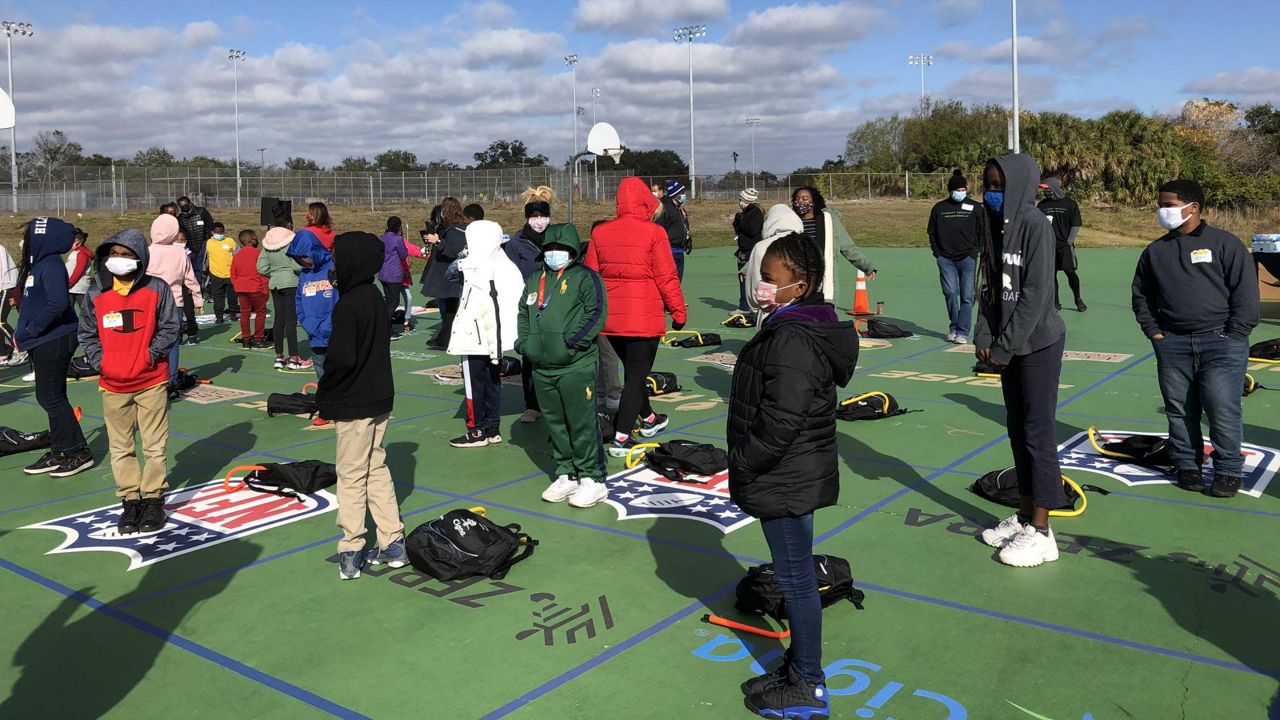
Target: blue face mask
994, 199
959, 195
556, 259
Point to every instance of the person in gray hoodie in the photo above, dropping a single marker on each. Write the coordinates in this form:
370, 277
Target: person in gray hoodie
1020, 333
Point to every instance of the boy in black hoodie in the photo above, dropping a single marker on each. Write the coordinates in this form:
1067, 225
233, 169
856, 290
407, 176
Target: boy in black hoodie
783, 463
1019, 331
356, 391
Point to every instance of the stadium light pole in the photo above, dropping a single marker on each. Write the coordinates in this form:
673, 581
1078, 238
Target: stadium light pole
753, 123
1017, 141
236, 57
923, 61
21, 30
688, 33
572, 62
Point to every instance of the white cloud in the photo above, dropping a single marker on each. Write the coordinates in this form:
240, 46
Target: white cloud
996, 86
641, 16
1061, 44
199, 34
1256, 84
512, 47
811, 26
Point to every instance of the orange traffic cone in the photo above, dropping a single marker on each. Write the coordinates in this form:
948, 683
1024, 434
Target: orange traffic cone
861, 301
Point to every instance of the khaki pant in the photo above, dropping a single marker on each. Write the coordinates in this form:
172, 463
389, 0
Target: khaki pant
126, 416
364, 481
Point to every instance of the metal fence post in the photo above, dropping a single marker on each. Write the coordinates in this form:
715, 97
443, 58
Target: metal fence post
906, 183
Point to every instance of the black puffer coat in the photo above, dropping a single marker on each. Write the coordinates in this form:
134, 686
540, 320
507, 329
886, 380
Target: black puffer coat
782, 423
453, 239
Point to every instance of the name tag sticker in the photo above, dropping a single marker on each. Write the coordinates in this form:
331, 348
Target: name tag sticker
200, 223
31, 281
308, 291
531, 299
1201, 256
113, 320
967, 207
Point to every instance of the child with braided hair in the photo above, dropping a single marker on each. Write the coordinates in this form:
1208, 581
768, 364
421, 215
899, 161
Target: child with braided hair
783, 463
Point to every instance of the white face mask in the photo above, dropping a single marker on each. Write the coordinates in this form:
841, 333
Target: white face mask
539, 224
121, 265
1170, 218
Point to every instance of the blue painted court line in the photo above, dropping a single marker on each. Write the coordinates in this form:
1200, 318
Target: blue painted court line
56, 500
1192, 503
171, 638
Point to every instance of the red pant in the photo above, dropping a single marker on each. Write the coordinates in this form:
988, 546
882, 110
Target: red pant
253, 303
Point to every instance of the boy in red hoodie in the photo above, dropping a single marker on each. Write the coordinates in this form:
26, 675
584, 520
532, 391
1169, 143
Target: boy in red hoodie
251, 290
130, 322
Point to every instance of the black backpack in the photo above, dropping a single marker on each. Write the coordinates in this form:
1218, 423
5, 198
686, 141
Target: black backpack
15, 441
605, 419
869, 406
661, 383
675, 459
877, 328
759, 592
986, 368
464, 543
299, 403
1001, 487
739, 320
1267, 351
80, 368
292, 479
697, 340
1146, 450
510, 366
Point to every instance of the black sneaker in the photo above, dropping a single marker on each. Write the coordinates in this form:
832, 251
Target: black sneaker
1191, 480
47, 463
1080, 306
74, 462
262, 344
218, 319
649, 429
439, 345
621, 448
132, 510
1225, 486
152, 517
475, 437
760, 683
193, 340
792, 699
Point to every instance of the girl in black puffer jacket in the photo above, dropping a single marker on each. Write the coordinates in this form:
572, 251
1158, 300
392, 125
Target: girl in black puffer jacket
783, 463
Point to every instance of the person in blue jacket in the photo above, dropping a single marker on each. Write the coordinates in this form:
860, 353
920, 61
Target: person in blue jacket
316, 294
47, 326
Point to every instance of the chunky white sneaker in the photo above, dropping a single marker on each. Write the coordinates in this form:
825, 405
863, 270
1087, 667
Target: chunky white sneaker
961, 339
1029, 548
589, 493
951, 336
560, 490
29, 377
1001, 534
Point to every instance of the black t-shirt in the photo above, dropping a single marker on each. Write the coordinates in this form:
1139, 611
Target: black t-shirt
953, 229
1065, 214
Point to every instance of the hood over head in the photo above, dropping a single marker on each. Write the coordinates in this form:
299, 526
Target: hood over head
1054, 186
484, 239
781, 221
836, 339
635, 199
277, 238
357, 258
131, 238
1021, 179
563, 234
48, 236
324, 233
164, 230
307, 245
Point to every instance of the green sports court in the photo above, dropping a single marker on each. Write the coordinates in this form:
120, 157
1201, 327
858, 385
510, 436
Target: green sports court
1164, 604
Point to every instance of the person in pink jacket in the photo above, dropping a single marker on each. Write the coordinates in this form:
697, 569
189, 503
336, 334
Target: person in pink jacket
170, 263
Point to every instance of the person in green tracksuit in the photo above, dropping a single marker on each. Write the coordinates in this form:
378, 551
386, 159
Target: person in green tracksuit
561, 315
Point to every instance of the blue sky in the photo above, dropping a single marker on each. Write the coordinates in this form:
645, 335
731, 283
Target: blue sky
327, 79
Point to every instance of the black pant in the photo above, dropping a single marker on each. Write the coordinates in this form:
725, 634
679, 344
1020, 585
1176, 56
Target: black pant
223, 296
526, 382
1073, 281
284, 323
484, 392
637, 355
391, 292
189, 312
51, 360
448, 310
1030, 385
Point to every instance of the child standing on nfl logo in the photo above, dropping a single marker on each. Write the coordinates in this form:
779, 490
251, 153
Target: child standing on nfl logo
356, 392
129, 324
562, 313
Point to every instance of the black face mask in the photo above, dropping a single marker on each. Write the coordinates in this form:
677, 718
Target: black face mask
184, 209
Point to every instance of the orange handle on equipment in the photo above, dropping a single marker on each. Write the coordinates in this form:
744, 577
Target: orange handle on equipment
310, 385
226, 481
725, 622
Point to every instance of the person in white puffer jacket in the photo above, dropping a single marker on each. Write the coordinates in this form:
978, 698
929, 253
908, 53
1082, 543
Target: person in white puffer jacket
485, 328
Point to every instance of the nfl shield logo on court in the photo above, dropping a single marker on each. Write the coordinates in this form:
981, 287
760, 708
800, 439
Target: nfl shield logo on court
1260, 463
199, 517
643, 493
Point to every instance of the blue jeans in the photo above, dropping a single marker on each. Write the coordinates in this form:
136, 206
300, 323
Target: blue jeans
791, 545
743, 307
678, 256
1203, 372
957, 288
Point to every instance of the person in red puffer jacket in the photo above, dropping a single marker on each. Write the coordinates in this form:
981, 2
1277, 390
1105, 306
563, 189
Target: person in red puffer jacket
633, 256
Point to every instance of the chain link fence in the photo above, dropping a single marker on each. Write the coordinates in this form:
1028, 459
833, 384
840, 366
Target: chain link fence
832, 185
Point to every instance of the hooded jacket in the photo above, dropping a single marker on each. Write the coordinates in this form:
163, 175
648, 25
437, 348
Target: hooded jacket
562, 311
1018, 316
316, 295
486, 323
779, 222
394, 255
453, 240
45, 313
525, 250
322, 233
197, 225
170, 262
1063, 212
127, 337
748, 226
274, 261
783, 460
357, 382
633, 256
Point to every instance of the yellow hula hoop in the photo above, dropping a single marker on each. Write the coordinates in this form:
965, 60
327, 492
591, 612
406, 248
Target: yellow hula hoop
1264, 360
864, 396
1093, 440
678, 333
1084, 500
633, 459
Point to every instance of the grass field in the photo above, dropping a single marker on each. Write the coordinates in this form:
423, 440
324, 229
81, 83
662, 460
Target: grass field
1164, 604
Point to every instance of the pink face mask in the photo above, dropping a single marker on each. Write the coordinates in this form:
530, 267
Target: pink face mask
539, 224
766, 295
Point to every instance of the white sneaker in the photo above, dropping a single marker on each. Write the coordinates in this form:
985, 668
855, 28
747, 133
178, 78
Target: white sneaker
1029, 548
29, 377
1001, 534
961, 339
16, 359
951, 336
589, 493
560, 490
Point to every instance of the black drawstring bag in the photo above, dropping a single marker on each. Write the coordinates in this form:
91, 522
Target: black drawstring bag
870, 406
463, 543
697, 340
299, 403
1001, 487
877, 328
676, 459
661, 383
739, 320
15, 441
1265, 350
509, 366
292, 479
759, 593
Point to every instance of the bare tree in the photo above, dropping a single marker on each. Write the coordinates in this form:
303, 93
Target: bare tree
52, 152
